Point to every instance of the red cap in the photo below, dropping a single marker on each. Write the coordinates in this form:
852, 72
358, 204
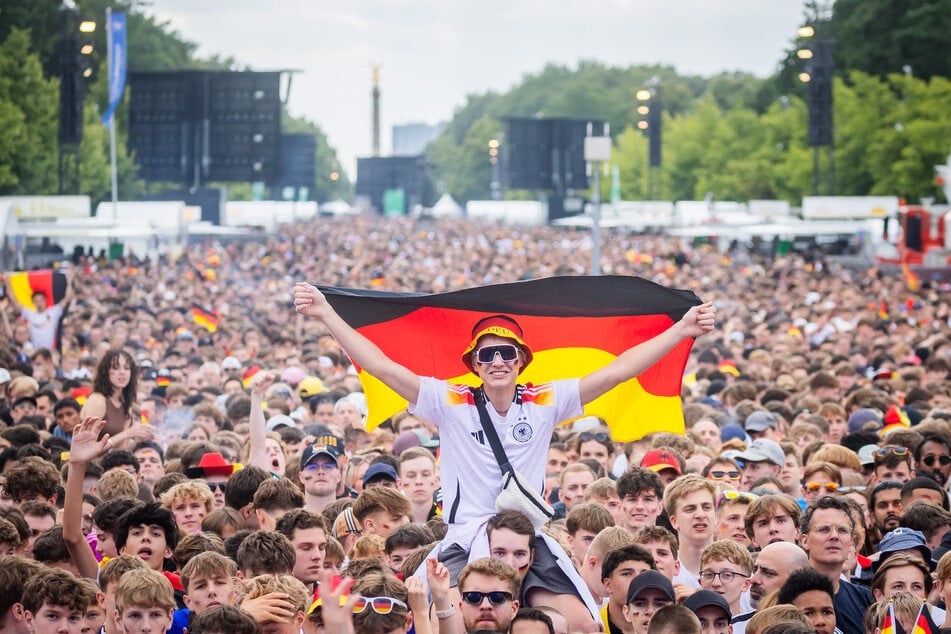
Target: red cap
660, 459
500, 326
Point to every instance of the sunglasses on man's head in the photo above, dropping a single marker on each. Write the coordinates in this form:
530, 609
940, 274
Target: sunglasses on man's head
891, 451
812, 487
735, 495
600, 436
506, 351
497, 597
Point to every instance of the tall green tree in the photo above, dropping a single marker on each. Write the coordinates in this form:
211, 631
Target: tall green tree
881, 37
28, 117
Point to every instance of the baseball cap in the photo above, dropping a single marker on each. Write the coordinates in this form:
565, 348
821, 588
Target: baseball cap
500, 326
901, 539
860, 417
310, 386
379, 470
318, 449
706, 598
230, 363
660, 459
212, 463
760, 421
729, 432
763, 450
25, 399
413, 438
650, 579
185, 335
277, 421
867, 455
293, 375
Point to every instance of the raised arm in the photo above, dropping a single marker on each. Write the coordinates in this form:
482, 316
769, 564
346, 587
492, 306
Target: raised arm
311, 302
697, 321
69, 294
84, 448
257, 454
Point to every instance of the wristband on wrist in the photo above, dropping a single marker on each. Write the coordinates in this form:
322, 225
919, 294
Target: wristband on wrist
445, 614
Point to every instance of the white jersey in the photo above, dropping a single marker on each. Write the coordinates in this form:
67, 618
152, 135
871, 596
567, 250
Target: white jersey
470, 475
43, 326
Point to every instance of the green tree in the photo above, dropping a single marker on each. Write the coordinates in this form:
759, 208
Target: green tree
881, 37
28, 110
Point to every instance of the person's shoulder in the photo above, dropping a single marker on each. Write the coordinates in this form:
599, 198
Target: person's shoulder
854, 591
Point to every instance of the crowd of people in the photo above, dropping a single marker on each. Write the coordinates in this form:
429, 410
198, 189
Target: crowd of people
189, 448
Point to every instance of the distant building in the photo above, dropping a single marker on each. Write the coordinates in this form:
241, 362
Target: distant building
411, 139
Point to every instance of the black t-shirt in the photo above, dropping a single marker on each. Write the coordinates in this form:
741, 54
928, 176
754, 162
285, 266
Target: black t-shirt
851, 602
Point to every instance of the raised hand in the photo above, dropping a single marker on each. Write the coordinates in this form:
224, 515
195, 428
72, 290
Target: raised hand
261, 382
699, 320
437, 576
337, 618
308, 300
274, 607
86, 445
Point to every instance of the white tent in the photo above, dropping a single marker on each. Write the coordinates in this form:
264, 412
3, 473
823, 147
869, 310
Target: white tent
337, 207
446, 207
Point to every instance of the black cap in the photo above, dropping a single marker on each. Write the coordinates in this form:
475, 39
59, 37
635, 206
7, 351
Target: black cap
647, 580
707, 598
317, 449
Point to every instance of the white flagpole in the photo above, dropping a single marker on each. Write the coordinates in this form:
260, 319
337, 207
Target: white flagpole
112, 121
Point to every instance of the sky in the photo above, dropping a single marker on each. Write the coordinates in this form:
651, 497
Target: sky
433, 53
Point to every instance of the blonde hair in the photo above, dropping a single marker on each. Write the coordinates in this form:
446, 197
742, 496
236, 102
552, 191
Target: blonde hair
776, 614
685, 485
369, 546
116, 483
725, 550
265, 584
611, 538
207, 565
144, 588
189, 490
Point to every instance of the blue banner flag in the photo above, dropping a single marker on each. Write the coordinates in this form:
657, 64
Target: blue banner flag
118, 62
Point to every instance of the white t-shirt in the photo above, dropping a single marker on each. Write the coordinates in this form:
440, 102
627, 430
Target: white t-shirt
43, 326
470, 475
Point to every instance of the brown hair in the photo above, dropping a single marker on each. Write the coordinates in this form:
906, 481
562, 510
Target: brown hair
207, 565
56, 587
491, 567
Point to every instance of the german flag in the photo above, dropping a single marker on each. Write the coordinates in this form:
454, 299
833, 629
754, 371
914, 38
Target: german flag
204, 318
47, 281
574, 325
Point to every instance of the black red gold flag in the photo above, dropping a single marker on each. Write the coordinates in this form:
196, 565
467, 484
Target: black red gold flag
205, 318
574, 325
47, 281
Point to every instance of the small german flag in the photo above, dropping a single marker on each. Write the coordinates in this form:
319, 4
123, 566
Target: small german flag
205, 318
883, 310
25, 284
248, 374
574, 325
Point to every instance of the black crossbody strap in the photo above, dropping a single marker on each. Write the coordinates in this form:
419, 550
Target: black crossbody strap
479, 396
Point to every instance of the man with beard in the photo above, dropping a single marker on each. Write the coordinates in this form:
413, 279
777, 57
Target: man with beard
773, 566
933, 457
884, 502
489, 588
